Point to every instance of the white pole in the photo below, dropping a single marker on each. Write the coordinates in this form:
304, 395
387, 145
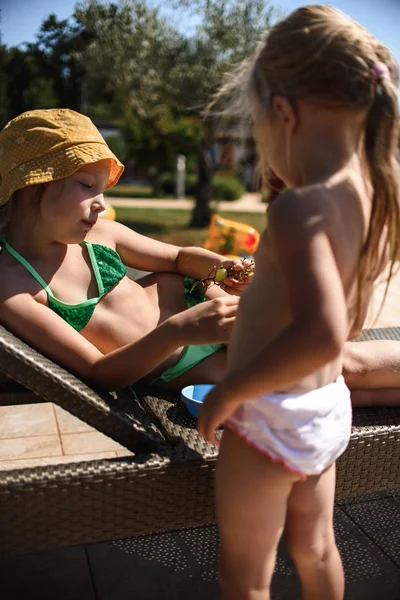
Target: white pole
180, 176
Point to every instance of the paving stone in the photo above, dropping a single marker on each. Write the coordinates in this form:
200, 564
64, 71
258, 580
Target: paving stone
380, 520
58, 575
184, 564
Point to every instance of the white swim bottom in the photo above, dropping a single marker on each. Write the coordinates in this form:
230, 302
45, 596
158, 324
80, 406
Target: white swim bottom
306, 432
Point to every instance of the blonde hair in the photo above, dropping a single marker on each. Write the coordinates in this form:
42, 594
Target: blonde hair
319, 51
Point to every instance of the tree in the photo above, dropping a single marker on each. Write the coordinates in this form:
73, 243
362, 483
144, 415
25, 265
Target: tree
4, 100
54, 51
42, 74
136, 55
18, 71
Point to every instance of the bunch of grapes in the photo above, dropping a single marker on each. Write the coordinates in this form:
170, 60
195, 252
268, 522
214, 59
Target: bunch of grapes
217, 275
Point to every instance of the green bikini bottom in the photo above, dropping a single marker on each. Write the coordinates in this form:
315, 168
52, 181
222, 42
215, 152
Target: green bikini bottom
189, 359
192, 355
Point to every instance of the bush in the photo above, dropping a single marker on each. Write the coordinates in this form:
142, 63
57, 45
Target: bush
224, 187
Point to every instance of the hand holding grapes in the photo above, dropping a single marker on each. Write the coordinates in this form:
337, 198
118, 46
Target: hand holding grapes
232, 275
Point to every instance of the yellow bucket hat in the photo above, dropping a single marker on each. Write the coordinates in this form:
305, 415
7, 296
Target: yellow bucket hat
45, 145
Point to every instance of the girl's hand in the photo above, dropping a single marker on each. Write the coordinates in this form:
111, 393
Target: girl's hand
237, 284
214, 411
207, 323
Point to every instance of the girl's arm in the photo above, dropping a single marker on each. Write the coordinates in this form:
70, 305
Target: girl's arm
318, 307
209, 322
147, 254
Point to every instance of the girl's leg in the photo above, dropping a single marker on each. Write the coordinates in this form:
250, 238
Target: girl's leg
376, 397
310, 537
210, 370
372, 371
251, 498
372, 364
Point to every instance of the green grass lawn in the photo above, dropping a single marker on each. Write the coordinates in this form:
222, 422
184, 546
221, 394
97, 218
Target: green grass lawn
173, 225
130, 191
122, 190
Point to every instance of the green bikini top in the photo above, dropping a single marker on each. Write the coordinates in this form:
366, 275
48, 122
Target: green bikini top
108, 270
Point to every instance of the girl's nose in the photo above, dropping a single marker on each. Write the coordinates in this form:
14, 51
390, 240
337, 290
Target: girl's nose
99, 204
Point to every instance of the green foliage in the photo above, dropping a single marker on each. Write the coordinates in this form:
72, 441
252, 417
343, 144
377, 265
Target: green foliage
167, 75
227, 188
222, 188
4, 101
41, 94
147, 149
17, 73
132, 62
43, 74
117, 145
133, 51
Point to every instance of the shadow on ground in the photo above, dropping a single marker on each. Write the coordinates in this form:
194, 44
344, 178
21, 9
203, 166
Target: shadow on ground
182, 565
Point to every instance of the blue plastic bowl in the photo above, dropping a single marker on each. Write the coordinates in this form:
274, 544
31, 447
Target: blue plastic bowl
193, 396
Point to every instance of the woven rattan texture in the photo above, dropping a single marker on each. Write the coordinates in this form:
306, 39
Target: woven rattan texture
168, 489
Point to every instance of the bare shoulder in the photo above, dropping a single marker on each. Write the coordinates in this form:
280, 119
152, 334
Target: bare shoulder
306, 209
113, 234
13, 279
105, 232
301, 202
16, 293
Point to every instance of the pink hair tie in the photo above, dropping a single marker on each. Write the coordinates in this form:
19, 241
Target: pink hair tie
379, 72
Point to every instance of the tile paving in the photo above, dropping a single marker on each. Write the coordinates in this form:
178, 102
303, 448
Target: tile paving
182, 565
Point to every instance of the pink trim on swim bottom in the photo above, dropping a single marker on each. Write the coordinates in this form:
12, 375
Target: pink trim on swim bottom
279, 461
305, 432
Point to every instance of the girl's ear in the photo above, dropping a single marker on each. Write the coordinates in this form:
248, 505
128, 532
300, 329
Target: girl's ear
285, 111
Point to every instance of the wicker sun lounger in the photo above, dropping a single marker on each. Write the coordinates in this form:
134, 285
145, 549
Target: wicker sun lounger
166, 485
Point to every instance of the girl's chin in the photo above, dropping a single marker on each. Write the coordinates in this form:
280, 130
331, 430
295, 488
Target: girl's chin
86, 225
76, 238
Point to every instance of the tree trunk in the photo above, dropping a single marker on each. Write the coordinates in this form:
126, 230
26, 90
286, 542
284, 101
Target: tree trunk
154, 176
202, 212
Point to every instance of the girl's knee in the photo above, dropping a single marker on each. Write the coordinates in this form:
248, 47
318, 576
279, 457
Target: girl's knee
314, 551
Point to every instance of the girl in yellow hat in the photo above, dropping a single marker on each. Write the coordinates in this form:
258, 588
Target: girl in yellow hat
63, 270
